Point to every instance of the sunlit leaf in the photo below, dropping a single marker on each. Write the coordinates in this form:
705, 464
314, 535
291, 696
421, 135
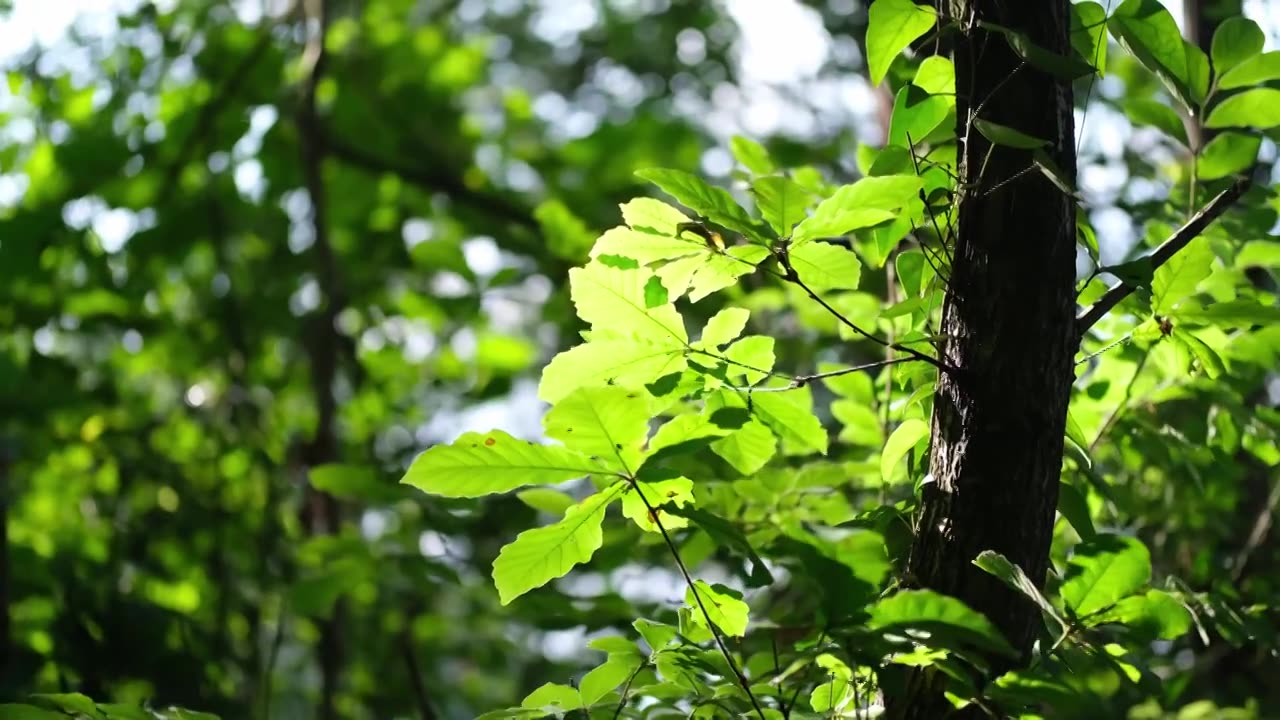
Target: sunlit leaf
1236, 40
484, 463
725, 608
1103, 570
606, 422
946, 619
1177, 279
630, 363
891, 26
823, 266
713, 203
678, 491
543, 554
1257, 108
751, 155
904, 437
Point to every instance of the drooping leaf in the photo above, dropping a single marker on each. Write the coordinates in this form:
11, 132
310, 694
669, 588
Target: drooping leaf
1258, 108
916, 114
608, 676
1150, 32
823, 266
1065, 67
946, 619
1013, 576
553, 697
1103, 570
606, 422
1209, 359
543, 554
479, 464
900, 442
1007, 136
1089, 33
892, 25
713, 203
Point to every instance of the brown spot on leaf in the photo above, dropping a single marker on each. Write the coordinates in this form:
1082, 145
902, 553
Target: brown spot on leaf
489, 441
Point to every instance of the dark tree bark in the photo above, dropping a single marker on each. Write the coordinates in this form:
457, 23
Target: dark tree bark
998, 422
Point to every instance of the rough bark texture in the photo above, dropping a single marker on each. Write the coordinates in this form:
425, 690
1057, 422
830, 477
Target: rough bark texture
998, 423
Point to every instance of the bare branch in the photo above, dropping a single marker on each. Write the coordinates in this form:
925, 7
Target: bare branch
1161, 255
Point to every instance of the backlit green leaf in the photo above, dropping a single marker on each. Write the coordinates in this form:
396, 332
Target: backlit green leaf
1007, 136
607, 422
823, 266
725, 609
1159, 116
543, 554
751, 155
678, 491
782, 203
891, 26
483, 463
613, 301
1257, 108
1103, 570
723, 328
1177, 279
1236, 40
1155, 614
630, 363
1254, 71
903, 438
1228, 153
1089, 33
713, 203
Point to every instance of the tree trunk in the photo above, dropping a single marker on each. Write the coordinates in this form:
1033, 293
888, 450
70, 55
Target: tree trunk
999, 421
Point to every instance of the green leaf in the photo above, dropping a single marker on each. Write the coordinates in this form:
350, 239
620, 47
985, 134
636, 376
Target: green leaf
1135, 273
1089, 33
912, 272
543, 554
1257, 108
1065, 67
654, 216
748, 448
606, 422
1013, 576
944, 618
916, 114
858, 205
1236, 40
903, 438
82, 705
1228, 153
1209, 359
751, 155
823, 266
657, 635
1150, 32
723, 328
613, 302
782, 203
677, 491
1103, 570
1177, 279
567, 236
608, 676
11, 711
701, 276
1007, 136
354, 482
722, 605
1157, 115
683, 433
546, 500
892, 25
1154, 614
553, 697
751, 358
1230, 314
630, 363
713, 203
790, 416
1073, 506
479, 464
727, 534
1254, 71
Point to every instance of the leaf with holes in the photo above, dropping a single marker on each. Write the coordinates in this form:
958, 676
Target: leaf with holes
613, 302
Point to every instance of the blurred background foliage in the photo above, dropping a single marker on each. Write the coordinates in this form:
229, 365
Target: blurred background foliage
224, 264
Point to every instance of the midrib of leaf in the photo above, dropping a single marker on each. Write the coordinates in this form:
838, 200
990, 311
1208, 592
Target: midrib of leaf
616, 446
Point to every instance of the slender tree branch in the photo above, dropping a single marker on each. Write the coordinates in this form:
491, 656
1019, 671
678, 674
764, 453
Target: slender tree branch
715, 631
792, 276
1161, 255
415, 679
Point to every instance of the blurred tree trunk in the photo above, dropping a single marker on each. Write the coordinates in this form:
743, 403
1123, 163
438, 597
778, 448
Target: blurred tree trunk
1202, 20
1009, 318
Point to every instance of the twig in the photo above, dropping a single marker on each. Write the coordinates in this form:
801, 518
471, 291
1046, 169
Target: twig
415, 679
626, 688
1161, 255
715, 631
793, 277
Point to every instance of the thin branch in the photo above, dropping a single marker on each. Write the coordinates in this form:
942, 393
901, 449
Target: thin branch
793, 277
1161, 255
626, 688
715, 631
415, 679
